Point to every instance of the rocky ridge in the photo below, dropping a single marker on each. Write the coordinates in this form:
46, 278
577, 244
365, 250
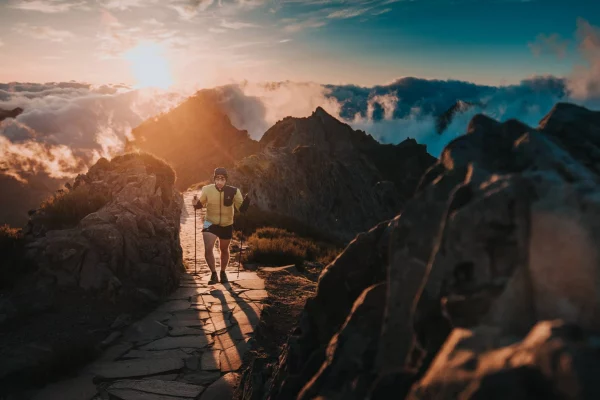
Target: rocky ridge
195, 138
487, 274
327, 175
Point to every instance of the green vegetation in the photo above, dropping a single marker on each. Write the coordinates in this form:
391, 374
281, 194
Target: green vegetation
65, 209
256, 218
275, 246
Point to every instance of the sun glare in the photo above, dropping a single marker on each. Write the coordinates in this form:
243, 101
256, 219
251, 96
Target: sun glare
149, 66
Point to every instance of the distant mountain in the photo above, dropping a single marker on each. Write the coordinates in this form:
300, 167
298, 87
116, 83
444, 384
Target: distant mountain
10, 113
194, 138
445, 119
327, 175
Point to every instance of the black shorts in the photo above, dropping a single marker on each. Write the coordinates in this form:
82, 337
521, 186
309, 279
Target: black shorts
222, 232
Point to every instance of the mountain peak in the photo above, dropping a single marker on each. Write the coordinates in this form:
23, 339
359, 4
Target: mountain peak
321, 113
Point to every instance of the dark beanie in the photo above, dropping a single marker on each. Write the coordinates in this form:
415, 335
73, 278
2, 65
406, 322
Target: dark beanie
220, 171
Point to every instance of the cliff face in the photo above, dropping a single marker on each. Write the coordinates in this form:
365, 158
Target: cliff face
447, 299
323, 173
110, 245
195, 138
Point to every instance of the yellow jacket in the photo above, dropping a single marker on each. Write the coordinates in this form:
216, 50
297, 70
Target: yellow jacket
216, 212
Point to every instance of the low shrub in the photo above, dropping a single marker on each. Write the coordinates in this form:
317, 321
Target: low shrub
255, 218
276, 246
65, 209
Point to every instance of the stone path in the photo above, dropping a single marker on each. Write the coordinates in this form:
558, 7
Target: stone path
190, 347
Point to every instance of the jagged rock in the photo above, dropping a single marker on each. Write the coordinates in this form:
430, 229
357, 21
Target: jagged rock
361, 265
445, 119
329, 176
501, 232
128, 235
554, 361
351, 352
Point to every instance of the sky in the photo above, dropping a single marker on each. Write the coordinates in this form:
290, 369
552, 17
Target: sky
204, 43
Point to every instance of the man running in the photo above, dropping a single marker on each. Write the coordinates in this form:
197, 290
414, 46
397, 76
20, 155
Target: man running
219, 200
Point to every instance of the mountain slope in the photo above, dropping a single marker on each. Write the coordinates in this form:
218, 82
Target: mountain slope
194, 138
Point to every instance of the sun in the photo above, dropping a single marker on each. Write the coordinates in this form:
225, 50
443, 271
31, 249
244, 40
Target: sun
149, 66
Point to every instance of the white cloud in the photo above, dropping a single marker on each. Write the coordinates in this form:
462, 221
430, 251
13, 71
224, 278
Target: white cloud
188, 9
237, 25
154, 22
47, 6
217, 30
299, 26
348, 13
43, 32
1, 43
285, 40
385, 10
124, 4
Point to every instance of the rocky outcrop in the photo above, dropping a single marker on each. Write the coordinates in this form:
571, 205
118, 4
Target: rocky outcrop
554, 361
88, 270
133, 238
445, 119
195, 137
329, 176
14, 113
500, 234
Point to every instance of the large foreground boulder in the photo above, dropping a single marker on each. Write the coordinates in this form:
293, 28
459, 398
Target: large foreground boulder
107, 248
501, 233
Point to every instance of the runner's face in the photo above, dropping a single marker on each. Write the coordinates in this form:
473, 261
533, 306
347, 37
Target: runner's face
220, 181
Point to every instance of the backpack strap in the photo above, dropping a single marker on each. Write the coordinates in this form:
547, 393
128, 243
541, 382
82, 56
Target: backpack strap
229, 193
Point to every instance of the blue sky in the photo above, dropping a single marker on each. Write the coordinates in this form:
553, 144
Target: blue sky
363, 42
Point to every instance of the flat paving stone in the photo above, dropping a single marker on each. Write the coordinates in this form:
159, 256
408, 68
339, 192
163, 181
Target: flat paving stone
128, 394
200, 307
186, 293
218, 323
223, 388
223, 341
245, 317
231, 358
147, 354
254, 307
210, 360
190, 314
177, 342
174, 305
136, 368
257, 284
216, 308
146, 330
186, 331
115, 352
182, 323
155, 386
166, 377
255, 295
203, 378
